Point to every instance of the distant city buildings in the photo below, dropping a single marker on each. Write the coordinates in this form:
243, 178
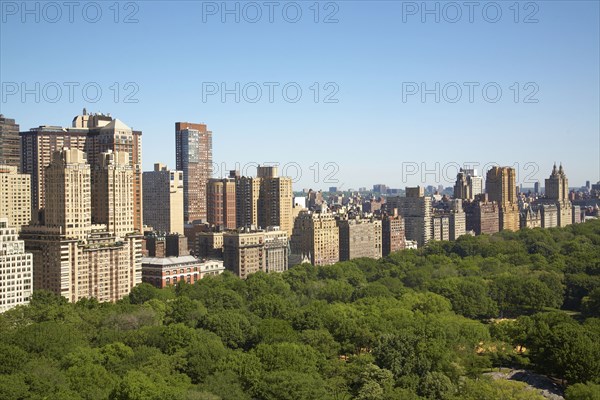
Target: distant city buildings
193, 151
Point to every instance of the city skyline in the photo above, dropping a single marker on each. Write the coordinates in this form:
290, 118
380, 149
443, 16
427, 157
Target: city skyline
558, 55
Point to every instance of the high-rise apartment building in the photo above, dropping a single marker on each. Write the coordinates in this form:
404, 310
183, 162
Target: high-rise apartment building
73, 257
163, 199
68, 202
221, 202
482, 215
501, 187
93, 134
10, 143
247, 193
415, 208
457, 219
193, 148
275, 200
468, 184
315, 237
112, 193
557, 193
15, 196
359, 238
392, 232
16, 267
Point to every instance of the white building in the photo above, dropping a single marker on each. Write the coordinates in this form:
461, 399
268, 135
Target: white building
15, 268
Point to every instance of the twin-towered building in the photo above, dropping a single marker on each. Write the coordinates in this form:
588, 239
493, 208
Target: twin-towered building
93, 134
87, 245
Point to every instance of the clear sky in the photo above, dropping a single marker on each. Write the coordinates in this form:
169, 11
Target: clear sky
371, 60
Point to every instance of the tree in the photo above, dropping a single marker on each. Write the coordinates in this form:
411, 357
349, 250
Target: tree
582, 391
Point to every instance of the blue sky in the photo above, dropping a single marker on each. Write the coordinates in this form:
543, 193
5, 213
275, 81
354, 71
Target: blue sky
371, 61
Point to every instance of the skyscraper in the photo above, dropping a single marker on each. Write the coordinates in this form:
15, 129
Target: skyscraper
193, 148
93, 134
247, 193
73, 257
15, 268
501, 187
15, 196
468, 184
112, 193
275, 200
163, 199
557, 193
10, 144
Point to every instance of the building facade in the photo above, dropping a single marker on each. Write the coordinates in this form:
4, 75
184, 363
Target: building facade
501, 188
15, 197
221, 202
392, 234
163, 199
16, 268
167, 271
315, 237
10, 143
482, 215
360, 238
193, 151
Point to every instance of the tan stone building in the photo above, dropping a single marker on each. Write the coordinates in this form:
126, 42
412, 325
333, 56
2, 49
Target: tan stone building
247, 251
112, 193
275, 200
457, 219
193, 150
359, 238
557, 193
93, 134
16, 266
501, 187
72, 257
440, 225
15, 197
163, 199
315, 237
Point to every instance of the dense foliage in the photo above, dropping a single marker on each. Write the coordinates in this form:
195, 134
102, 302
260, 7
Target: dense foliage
417, 324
